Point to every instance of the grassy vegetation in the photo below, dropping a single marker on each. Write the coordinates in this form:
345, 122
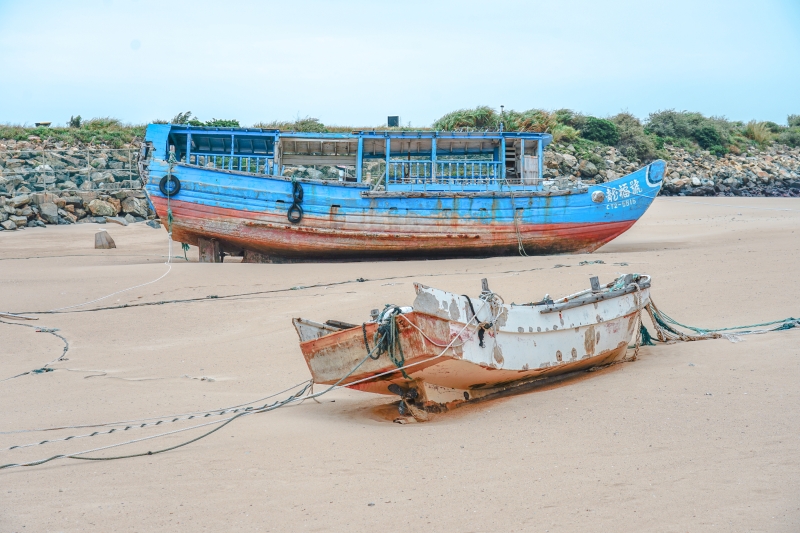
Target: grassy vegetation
633, 138
104, 130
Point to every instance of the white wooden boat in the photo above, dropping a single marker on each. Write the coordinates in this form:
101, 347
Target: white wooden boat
453, 348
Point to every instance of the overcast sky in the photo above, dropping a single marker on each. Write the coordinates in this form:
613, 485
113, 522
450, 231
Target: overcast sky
355, 62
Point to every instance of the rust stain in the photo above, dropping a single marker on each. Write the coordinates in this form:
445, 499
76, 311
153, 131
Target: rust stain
367, 236
588, 340
498, 354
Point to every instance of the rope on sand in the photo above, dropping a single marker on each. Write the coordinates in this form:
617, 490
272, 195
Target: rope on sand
667, 328
46, 367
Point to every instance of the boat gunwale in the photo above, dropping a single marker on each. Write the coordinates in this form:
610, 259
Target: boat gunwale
516, 191
608, 296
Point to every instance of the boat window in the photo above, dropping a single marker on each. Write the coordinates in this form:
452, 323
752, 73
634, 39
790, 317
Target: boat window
326, 159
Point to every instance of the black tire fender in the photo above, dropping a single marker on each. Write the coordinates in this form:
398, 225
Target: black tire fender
295, 208
176, 188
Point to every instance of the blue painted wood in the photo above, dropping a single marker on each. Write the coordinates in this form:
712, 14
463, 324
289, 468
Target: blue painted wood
624, 199
503, 157
388, 156
433, 157
360, 160
539, 152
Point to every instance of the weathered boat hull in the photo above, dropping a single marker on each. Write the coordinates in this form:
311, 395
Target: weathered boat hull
316, 238
447, 360
352, 221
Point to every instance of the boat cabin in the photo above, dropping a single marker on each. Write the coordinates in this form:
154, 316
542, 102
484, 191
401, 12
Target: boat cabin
392, 160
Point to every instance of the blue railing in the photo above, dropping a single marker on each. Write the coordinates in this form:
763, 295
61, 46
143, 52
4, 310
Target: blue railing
242, 163
452, 173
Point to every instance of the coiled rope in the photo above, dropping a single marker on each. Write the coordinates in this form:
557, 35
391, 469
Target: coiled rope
387, 337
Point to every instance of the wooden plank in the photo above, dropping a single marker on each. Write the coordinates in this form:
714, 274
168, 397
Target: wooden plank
327, 159
464, 194
595, 281
103, 241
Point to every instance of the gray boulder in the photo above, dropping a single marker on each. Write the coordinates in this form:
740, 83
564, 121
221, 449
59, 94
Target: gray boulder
588, 169
8, 225
22, 199
49, 212
134, 206
570, 160
552, 159
18, 220
101, 208
117, 220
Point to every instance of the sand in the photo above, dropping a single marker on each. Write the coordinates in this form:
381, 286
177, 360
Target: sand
693, 437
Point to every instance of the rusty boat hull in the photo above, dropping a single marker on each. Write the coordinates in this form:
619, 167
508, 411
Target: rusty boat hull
257, 209
447, 360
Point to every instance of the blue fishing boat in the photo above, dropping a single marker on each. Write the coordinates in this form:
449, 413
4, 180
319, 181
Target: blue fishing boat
277, 196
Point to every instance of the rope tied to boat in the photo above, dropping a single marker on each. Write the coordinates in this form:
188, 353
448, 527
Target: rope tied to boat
171, 162
372, 356
495, 302
387, 337
667, 328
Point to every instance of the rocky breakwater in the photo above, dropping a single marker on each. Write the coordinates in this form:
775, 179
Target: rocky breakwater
73, 207
48, 183
774, 171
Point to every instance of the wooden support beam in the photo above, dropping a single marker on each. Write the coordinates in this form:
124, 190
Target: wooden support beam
209, 250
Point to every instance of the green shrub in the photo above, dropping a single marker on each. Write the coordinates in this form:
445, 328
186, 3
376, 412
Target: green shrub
187, 118
564, 134
181, 118
634, 142
707, 136
565, 116
220, 123
103, 123
600, 130
693, 127
479, 118
307, 124
793, 121
718, 150
790, 137
675, 124
532, 120
773, 127
74, 122
758, 132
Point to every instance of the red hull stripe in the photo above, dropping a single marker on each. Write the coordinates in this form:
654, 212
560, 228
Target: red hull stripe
356, 237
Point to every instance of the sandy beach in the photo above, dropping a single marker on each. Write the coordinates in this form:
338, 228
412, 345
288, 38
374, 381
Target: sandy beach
699, 436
